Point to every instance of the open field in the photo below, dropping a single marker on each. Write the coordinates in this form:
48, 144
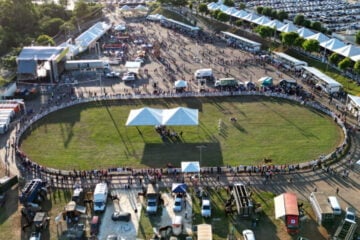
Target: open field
94, 135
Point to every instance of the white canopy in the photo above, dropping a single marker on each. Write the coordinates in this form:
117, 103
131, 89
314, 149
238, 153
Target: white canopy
333, 85
251, 17
204, 232
332, 44
275, 24
231, 11
190, 167
240, 14
289, 27
348, 51
180, 116
320, 37
172, 117
304, 32
125, 8
141, 8
133, 66
180, 84
213, 6
144, 117
262, 20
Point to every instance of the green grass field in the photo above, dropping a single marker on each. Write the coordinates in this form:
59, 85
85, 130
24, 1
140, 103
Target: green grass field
94, 135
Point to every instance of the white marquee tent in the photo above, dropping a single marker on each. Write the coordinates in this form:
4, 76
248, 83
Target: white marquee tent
190, 167
172, 117
262, 20
290, 27
353, 105
180, 84
348, 51
304, 32
332, 44
251, 17
275, 24
320, 37
240, 14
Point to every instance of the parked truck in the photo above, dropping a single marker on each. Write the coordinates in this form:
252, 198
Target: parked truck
152, 196
86, 64
35, 190
345, 231
226, 82
100, 197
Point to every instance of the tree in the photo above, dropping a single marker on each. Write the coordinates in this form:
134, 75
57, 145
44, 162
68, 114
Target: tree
223, 17
299, 41
299, 19
238, 22
51, 26
81, 9
289, 38
45, 40
281, 15
316, 26
53, 10
264, 31
242, 6
345, 64
334, 58
311, 45
267, 11
179, 3
203, 8
307, 23
215, 13
190, 5
259, 9
229, 3
357, 38
357, 67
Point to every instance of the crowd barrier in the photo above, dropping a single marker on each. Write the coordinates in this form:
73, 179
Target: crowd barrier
312, 104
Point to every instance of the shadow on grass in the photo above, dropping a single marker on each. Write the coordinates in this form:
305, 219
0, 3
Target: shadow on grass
175, 153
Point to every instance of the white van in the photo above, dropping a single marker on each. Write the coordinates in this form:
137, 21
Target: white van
205, 73
100, 197
335, 206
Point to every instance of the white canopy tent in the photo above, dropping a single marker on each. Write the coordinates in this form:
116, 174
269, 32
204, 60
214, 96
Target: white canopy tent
353, 105
348, 51
230, 11
275, 24
332, 44
190, 167
125, 8
320, 37
133, 66
326, 83
251, 17
172, 117
241, 14
204, 232
180, 84
290, 27
213, 6
262, 20
144, 117
305, 32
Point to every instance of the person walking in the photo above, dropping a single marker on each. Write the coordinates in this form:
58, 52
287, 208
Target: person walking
337, 191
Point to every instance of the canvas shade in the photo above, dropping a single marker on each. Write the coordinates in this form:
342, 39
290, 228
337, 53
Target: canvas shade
180, 84
190, 167
179, 188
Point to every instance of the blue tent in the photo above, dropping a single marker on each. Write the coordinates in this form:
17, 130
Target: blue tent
179, 188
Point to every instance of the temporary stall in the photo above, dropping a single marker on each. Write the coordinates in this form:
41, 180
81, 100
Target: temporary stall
190, 167
326, 83
304, 32
179, 188
289, 27
204, 232
266, 81
133, 66
286, 207
353, 105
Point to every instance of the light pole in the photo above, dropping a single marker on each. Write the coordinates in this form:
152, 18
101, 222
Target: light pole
201, 147
100, 79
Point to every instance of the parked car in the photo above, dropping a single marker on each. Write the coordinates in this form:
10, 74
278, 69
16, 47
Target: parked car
95, 225
129, 76
121, 216
248, 234
350, 215
205, 208
177, 225
112, 74
35, 236
178, 203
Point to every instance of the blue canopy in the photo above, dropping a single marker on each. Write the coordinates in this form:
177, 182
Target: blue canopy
179, 188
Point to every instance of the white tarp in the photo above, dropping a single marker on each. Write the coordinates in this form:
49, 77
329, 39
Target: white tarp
190, 167
180, 84
204, 232
172, 117
279, 204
